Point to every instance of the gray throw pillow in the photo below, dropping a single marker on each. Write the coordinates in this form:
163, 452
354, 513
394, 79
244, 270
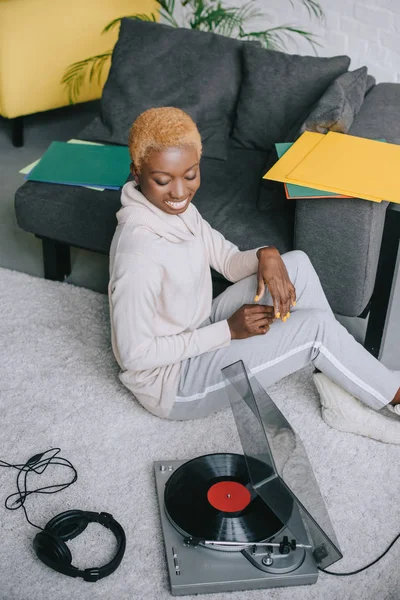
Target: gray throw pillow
371, 81
277, 90
336, 110
157, 65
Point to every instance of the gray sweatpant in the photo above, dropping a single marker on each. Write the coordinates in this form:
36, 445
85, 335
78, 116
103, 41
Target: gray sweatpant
310, 335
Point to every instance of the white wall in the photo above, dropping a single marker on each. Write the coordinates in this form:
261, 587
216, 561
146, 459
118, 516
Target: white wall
368, 31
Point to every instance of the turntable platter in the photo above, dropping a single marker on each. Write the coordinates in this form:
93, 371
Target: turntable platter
211, 497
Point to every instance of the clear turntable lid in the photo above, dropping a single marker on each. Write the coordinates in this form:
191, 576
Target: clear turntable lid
278, 465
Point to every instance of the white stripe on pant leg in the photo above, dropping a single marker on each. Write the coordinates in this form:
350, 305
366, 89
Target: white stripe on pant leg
279, 359
200, 395
359, 382
253, 371
318, 345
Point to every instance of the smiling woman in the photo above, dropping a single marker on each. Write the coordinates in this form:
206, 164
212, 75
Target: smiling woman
165, 148
174, 186
171, 339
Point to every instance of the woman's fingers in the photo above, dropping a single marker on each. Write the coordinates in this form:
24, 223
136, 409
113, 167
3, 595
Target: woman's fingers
256, 310
290, 299
285, 304
282, 303
262, 320
258, 318
260, 289
292, 296
283, 296
277, 304
263, 328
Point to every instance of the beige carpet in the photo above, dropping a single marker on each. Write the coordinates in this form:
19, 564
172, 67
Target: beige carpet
59, 388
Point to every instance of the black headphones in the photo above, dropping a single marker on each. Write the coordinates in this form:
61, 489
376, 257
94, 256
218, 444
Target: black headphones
50, 546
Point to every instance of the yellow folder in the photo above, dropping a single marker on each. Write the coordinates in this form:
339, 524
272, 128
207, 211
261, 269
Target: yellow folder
353, 166
294, 156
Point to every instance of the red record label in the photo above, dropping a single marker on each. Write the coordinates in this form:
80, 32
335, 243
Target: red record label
229, 496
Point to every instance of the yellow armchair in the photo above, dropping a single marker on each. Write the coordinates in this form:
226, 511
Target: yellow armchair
39, 39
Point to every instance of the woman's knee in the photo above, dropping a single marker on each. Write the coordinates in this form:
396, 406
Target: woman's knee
241, 292
296, 262
300, 257
316, 321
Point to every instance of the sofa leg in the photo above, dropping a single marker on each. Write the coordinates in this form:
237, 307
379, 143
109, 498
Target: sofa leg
383, 283
56, 260
17, 131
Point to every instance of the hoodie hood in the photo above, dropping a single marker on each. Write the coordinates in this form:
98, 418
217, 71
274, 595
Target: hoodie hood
138, 211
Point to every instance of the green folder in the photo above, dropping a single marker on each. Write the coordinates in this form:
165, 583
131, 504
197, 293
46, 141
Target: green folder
294, 191
299, 191
81, 164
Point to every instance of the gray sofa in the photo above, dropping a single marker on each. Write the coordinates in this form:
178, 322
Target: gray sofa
244, 99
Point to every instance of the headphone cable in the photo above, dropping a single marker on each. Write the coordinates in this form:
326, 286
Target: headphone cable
36, 464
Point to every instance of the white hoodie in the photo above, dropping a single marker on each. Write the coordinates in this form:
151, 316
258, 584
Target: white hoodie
160, 293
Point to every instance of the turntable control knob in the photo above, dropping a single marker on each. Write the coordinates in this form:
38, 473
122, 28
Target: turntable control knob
162, 467
170, 468
267, 560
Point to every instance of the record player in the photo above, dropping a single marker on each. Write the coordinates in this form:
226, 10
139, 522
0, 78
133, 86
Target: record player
238, 522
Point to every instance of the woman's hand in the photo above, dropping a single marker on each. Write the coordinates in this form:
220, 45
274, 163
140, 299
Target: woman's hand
272, 273
250, 320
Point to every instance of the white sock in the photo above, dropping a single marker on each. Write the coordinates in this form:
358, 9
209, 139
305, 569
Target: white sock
396, 407
342, 411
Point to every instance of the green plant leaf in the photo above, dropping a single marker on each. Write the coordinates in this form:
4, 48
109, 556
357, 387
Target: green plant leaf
236, 21
313, 7
275, 37
167, 11
168, 7
75, 75
140, 17
249, 11
212, 19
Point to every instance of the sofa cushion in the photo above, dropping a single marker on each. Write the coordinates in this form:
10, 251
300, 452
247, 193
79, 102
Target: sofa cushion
158, 65
379, 116
76, 216
227, 198
371, 82
277, 90
342, 238
233, 199
336, 110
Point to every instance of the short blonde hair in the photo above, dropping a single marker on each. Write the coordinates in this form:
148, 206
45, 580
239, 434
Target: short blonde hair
159, 129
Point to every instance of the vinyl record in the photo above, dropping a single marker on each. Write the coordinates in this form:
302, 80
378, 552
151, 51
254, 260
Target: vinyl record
211, 497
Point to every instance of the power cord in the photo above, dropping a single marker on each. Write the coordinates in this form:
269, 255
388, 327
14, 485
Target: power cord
36, 464
366, 566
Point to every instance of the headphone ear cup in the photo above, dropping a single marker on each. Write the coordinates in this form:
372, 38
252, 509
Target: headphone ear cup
67, 525
49, 548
